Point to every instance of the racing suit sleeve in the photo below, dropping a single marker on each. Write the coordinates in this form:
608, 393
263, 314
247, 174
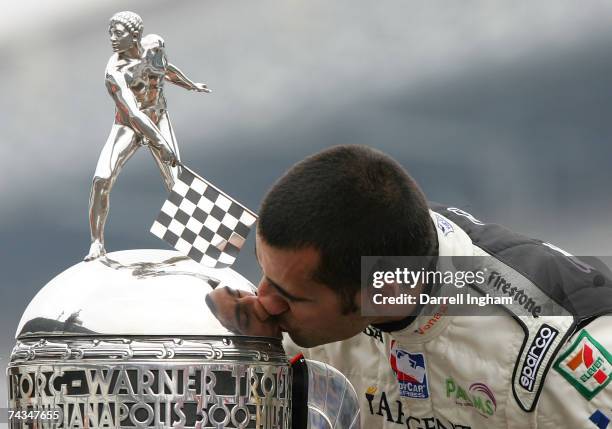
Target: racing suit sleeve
577, 392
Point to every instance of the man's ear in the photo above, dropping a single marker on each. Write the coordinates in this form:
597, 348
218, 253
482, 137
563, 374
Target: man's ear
372, 299
358, 299
390, 289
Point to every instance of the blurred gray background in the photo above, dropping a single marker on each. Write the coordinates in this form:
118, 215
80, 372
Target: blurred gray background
503, 108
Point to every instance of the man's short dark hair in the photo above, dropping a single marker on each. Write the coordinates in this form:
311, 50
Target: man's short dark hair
347, 202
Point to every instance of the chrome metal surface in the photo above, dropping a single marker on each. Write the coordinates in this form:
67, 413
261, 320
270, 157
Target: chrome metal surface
131, 340
130, 293
332, 400
128, 340
238, 349
134, 77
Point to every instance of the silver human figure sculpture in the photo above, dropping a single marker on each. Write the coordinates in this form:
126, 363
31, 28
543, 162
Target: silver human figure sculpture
135, 76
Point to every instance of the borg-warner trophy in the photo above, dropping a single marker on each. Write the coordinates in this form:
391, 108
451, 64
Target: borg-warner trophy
164, 338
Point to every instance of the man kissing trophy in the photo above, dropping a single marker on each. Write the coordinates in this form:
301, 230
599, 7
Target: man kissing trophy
162, 338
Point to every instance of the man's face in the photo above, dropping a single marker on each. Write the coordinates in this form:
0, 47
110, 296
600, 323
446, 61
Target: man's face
310, 312
240, 312
121, 39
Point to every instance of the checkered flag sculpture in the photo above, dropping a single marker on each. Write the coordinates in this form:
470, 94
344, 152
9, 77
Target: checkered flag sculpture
202, 222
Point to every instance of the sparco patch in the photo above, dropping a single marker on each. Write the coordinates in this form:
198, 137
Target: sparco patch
535, 356
411, 372
587, 365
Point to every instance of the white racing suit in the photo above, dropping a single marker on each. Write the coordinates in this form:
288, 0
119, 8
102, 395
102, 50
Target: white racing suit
498, 371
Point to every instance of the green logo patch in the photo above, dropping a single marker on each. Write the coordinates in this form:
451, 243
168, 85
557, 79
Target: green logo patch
587, 365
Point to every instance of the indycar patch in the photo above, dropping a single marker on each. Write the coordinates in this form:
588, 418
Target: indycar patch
411, 372
587, 365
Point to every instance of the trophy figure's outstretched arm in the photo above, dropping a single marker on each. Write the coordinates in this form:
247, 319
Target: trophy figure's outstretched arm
140, 122
177, 77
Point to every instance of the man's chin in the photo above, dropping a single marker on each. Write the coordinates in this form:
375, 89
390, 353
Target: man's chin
306, 342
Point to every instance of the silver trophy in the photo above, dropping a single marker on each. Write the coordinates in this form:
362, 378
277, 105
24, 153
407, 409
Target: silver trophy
152, 339
156, 339
134, 77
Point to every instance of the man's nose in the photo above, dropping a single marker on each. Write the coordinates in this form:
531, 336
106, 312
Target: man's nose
271, 301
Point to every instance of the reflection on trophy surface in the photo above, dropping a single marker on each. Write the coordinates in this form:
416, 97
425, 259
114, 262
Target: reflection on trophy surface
129, 341
240, 312
160, 338
135, 76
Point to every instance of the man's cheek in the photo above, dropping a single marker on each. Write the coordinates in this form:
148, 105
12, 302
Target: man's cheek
308, 317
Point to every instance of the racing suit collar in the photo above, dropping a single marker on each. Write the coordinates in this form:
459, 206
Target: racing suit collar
398, 325
431, 319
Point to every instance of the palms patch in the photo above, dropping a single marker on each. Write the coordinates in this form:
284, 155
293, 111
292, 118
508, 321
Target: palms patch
587, 365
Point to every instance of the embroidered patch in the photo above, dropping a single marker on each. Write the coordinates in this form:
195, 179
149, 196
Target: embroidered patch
536, 356
411, 372
599, 419
587, 365
478, 396
445, 226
